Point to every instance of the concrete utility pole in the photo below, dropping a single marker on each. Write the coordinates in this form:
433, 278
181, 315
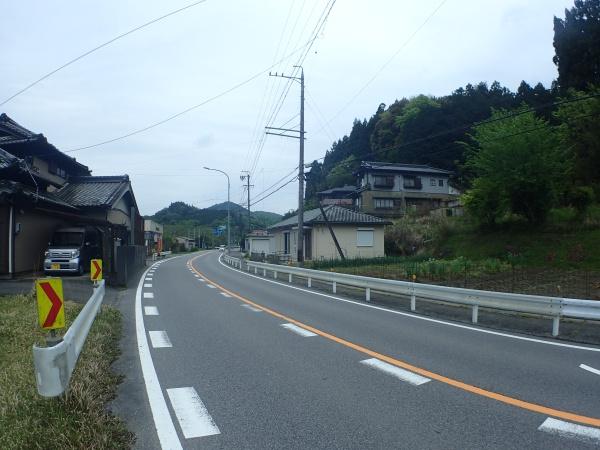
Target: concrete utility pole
246, 176
228, 208
282, 132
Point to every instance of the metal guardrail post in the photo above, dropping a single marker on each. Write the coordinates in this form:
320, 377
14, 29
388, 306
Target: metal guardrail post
549, 307
54, 365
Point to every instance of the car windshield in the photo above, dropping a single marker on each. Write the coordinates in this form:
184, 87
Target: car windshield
67, 238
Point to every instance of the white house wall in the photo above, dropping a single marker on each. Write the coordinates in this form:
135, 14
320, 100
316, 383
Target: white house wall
324, 247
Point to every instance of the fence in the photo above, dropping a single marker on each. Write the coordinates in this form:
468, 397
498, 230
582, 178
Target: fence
554, 307
129, 258
490, 275
54, 365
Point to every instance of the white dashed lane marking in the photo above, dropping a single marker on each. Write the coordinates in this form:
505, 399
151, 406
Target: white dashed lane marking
571, 430
148, 295
193, 417
296, 329
251, 308
397, 372
151, 310
147, 285
225, 295
160, 339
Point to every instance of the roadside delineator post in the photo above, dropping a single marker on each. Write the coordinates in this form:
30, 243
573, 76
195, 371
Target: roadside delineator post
51, 307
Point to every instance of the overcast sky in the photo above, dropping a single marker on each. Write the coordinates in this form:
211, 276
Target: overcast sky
194, 55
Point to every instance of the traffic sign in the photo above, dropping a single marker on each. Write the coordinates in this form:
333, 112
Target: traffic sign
96, 270
50, 303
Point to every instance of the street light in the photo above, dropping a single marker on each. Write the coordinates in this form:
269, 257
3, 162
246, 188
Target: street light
228, 214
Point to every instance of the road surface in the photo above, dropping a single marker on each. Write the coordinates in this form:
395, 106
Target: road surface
227, 359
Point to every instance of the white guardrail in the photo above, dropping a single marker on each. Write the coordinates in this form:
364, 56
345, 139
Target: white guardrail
554, 307
54, 365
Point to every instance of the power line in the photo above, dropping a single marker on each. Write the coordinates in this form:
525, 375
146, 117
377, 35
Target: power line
49, 74
315, 33
276, 190
387, 63
185, 111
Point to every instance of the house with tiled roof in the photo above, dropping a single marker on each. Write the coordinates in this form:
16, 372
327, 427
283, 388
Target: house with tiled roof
43, 189
393, 189
359, 235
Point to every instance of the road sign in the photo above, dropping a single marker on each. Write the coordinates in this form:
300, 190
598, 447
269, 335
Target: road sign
51, 309
96, 270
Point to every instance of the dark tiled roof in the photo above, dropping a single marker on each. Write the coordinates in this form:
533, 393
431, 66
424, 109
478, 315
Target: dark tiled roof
12, 133
12, 189
23, 142
397, 167
347, 188
335, 215
93, 191
7, 160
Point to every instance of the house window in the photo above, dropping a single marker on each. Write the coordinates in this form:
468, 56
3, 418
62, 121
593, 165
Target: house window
384, 203
364, 238
54, 169
383, 181
441, 182
286, 243
432, 182
412, 183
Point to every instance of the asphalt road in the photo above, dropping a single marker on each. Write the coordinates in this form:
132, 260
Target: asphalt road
253, 363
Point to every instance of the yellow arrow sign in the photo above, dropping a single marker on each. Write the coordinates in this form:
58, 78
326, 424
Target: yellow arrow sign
96, 270
50, 303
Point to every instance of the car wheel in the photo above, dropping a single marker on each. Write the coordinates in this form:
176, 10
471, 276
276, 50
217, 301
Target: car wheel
80, 269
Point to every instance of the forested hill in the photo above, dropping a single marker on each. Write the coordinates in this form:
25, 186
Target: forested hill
214, 215
437, 130
421, 130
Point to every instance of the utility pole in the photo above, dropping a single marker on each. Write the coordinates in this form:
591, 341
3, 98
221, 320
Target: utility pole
282, 132
246, 176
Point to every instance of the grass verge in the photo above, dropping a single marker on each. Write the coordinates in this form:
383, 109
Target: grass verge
79, 419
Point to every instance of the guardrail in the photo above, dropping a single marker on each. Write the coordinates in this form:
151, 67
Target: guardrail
554, 307
54, 365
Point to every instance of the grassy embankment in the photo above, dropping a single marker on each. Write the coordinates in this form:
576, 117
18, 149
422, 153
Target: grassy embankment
78, 419
560, 258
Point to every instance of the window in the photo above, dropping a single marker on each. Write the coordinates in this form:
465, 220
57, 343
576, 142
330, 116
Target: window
441, 182
433, 183
384, 203
364, 238
286, 243
383, 181
59, 171
412, 183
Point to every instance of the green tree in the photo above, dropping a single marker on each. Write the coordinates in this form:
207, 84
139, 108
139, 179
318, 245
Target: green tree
520, 167
577, 45
579, 121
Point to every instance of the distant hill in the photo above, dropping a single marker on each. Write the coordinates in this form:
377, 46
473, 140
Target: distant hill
182, 214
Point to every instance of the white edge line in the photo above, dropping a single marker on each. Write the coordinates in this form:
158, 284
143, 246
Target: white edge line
165, 429
415, 316
397, 372
589, 369
570, 430
193, 417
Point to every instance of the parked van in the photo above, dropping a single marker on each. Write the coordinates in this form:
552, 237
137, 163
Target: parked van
72, 249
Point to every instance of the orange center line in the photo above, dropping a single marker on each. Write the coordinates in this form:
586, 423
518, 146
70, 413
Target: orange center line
534, 407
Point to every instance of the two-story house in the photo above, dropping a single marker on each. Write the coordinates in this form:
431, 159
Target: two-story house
390, 189
42, 189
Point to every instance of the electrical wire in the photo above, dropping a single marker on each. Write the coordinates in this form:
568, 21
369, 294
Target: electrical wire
89, 52
386, 64
185, 111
